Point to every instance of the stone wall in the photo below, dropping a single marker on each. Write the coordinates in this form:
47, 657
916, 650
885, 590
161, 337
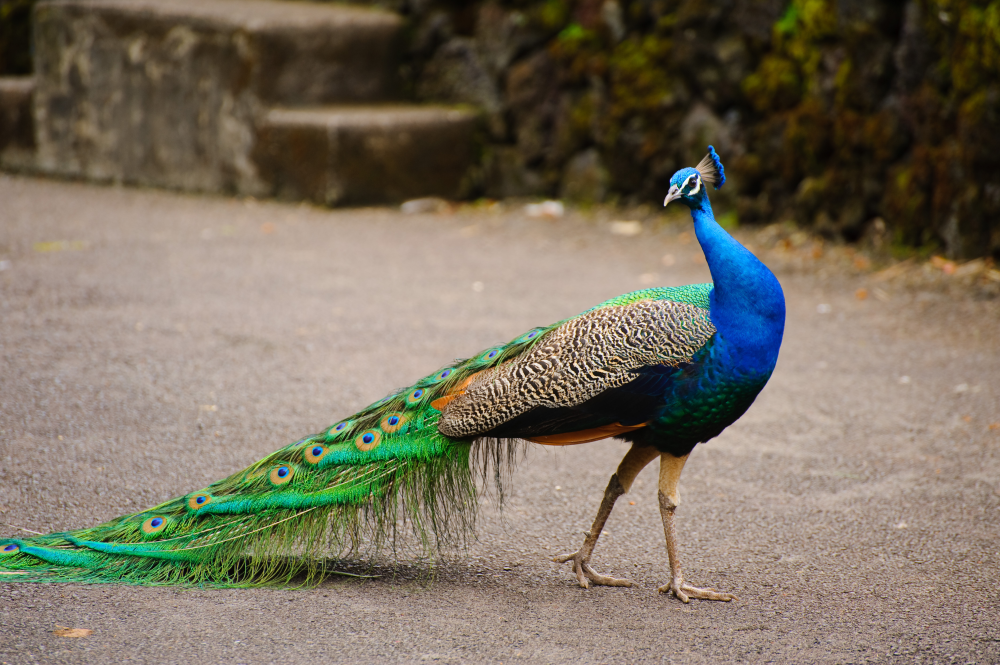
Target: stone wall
861, 119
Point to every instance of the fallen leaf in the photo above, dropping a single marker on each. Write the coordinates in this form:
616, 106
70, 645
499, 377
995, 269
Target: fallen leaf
861, 294
267, 227
994, 425
631, 503
66, 631
862, 262
943, 264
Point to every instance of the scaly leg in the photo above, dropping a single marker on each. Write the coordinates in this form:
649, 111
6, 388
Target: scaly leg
635, 460
670, 498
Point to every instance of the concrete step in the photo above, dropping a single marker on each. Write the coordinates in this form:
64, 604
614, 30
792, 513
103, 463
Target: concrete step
281, 51
169, 92
17, 131
360, 155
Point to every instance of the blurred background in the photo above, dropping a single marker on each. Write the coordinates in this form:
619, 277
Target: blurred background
864, 121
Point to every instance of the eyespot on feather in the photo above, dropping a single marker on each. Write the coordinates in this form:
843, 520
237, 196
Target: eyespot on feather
338, 429
199, 500
393, 423
9, 548
436, 378
530, 335
368, 440
313, 454
385, 399
154, 525
415, 397
281, 474
490, 355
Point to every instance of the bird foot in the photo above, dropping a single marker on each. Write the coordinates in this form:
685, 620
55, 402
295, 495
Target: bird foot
685, 592
584, 572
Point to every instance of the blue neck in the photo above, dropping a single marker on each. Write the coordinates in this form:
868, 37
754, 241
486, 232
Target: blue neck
747, 304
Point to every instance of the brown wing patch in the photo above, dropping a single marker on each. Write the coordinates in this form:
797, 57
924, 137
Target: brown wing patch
584, 435
580, 359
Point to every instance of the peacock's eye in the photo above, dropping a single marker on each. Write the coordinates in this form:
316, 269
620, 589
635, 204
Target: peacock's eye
281, 474
153, 525
692, 185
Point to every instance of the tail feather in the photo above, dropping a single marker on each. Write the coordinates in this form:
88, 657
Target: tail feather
351, 489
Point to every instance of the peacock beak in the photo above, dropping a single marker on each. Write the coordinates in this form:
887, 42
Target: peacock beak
672, 195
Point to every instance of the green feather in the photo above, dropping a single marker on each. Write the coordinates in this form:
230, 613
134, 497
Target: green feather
343, 491
691, 294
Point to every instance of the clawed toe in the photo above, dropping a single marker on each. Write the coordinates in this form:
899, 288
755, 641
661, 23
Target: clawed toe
585, 574
604, 580
685, 592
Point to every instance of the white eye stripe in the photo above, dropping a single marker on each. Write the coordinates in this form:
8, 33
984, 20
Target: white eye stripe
697, 185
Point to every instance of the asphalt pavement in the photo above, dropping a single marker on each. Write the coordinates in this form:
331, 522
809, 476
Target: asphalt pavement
152, 342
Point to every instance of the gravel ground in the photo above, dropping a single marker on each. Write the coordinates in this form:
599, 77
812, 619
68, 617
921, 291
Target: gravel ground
152, 342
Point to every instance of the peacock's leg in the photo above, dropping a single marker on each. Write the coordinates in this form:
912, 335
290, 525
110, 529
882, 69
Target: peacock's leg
635, 460
670, 498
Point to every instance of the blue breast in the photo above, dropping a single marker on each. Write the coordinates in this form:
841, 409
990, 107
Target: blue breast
722, 380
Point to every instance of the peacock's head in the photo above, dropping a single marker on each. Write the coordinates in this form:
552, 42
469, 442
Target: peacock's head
688, 185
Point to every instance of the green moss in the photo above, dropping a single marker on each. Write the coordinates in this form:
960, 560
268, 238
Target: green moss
829, 131
789, 23
776, 84
551, 14
639, 86
973, 59
639, 80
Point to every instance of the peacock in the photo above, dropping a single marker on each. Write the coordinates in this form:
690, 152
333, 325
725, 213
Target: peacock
662, 368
